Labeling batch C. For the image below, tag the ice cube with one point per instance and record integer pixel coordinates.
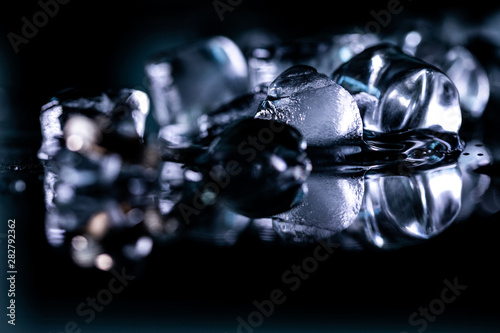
(213, 123)
(459, 64)
(411, 93)
(325, 54)
(84, 120)
(99, 202)
(470, 78)
(193, 79)
(99, 175)
(51, 130)
(255, 167)
(324, 112)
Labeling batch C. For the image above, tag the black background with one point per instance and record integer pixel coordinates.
(200, 288)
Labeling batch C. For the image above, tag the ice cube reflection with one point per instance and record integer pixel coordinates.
(331, 205)
(383, 210)
(99, 175)
(413, 207)
(400, 210)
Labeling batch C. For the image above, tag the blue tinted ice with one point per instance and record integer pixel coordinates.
(324, 112)
(191, 80)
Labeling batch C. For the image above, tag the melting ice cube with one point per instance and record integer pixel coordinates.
(324, 112)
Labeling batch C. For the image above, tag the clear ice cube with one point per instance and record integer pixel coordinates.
(193, 79)
(474, 184)
(400, 92)
(324, 112)
(459, 64)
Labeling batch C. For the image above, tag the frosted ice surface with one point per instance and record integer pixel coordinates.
(324, 112)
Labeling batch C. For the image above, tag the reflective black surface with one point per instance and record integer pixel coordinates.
(200, 286)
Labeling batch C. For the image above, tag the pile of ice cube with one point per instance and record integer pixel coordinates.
(275, 141)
